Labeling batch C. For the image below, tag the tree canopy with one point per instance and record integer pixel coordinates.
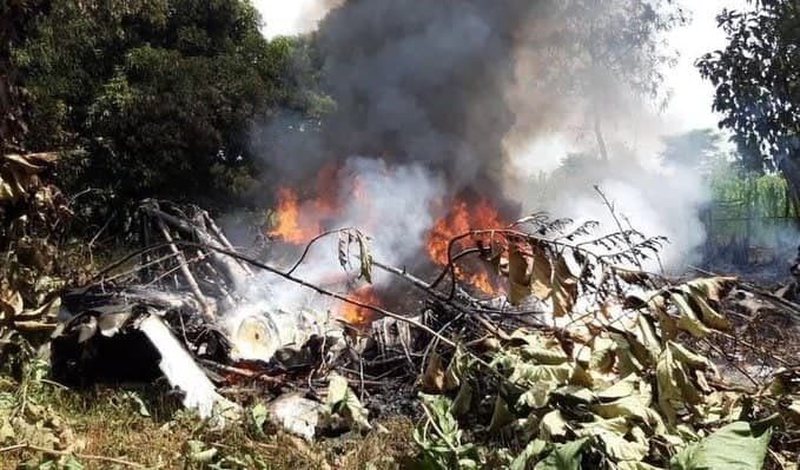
(158, 96)
(16, 19)
(757, 85)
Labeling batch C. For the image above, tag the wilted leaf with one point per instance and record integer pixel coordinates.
(637, 278)
(712, 288)
(617, 425)
(632, 406)
(456, 370)
(646, 335)
(542, 349)
(540, 381)
(688, 320)
(627, 362)
(620, 389)
(553, 425)
(348, 237)
(709, 316)
(47, 311)
(565, 288)
(675, 386)
(10, 302)
(31, 163)
(433, 381)
(736, 446)
(574, 394)
(667, 325)
(343, 249)
(17, 177)
(602, 357)
(366, 257)
(518, 278)
(527, 373)
(541, 273)
(621, 449)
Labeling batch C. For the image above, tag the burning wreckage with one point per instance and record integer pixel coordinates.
(531, 329)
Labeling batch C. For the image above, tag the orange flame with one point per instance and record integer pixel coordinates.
(288, 226)
(461, 219)
(355, 315)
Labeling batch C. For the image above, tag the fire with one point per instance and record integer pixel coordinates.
(287, 225)
(299, 218)
(461, 219)
(355, 315)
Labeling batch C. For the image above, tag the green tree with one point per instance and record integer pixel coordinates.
(757, 86)
(693, 148)
(16, 19)
(159, 95)
(604, 46)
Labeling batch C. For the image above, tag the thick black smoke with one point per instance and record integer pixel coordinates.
(413, 81)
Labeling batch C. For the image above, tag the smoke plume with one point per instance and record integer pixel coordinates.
(486, 97)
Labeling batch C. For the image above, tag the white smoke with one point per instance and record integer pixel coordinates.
(386, 64)
(657, 198)
(391, 204)
(292, 17)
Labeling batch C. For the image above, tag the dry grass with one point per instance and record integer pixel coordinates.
(107, 423)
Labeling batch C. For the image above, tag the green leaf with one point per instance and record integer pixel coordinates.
(342, 400)
(532, 451)
(457, 370)
(621, 449)
(138, 403)
(501, 416)
(462, 403)
(736, 446)
(259, 414)
(565, 456)
(198, 452)
(69, 462)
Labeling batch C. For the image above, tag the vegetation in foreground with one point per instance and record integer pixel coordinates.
(142, 427)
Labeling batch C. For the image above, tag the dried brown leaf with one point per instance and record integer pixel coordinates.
(541, 273)
(518, 277)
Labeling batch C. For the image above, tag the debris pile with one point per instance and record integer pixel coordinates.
(585, 360)
(32, 211)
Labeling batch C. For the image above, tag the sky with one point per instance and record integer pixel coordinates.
(287, 17)
(691, 97)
